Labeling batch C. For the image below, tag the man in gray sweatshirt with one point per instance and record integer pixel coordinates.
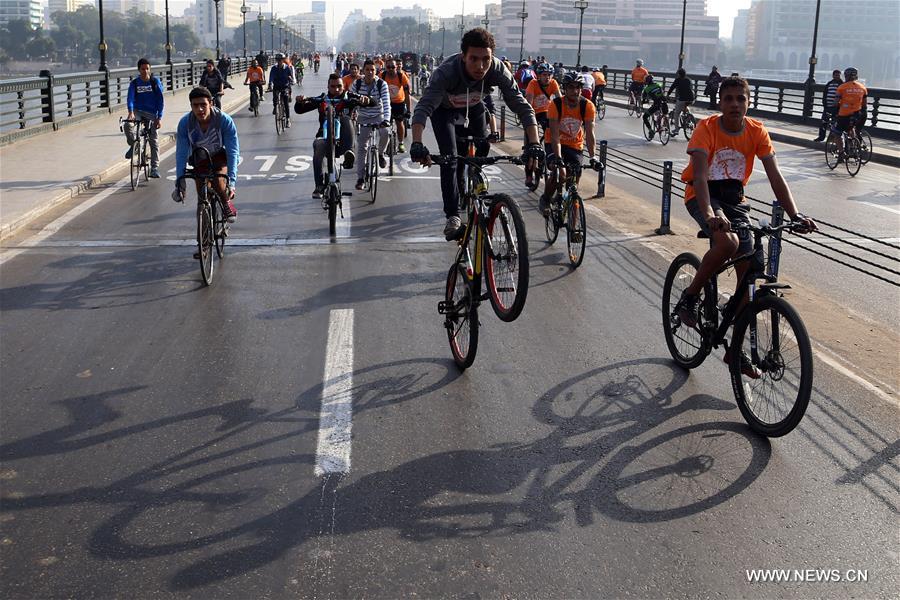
(453, 100)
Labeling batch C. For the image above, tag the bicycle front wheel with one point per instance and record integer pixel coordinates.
(279, 122)
(462, 317)
(205, 242)
(686, 344)
(145, 158)
(648, 130)
(601, 111)
(687, 125)
(631, 106)
(333, 199)
(372, 173)
(218, 227)
(391, 150)
(135, 163)
(774, 403)
(831, 153)
(551, 223)
(664, 131)
(506, 260)
(576, 231)
(852, 159)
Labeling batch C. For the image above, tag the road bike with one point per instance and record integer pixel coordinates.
(566, 211)
(332, 195)
(660, 126)
(686, 122)
(255, 96)
(212, 227)
(769, 338)
(370, 173)
(857, 149)
(282, 118)
(492, 245)
(600, 105)
(391, 147)
(140, 149)
(635, 104)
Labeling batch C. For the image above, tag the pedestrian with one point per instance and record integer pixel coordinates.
(712, 87)
(224, 65)
(829, 104)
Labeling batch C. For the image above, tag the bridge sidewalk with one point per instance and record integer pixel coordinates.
(40, 172)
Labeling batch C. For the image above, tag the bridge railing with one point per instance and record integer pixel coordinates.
(33, 105)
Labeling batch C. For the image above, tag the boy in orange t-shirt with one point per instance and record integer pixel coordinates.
(722, 150)
(398, 86)
(539, 93)
(352, 76)
(256, 79)
(852, 105)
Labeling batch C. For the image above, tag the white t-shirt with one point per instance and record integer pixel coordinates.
(587, 81)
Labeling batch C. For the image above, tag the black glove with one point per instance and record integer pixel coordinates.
(180, 189)
(493, 138)
(803, 224)
(384, 124)
(533, 152)
(595, 164)
(418, 151)
(552, 161)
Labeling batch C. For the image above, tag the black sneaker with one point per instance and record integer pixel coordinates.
(360, 184)
(128, 153)
(317, 193)
(544, 205)
(451, 227)
(819, 139)
(686, 309)
(349, 159)
(382, 161)
(747, 367)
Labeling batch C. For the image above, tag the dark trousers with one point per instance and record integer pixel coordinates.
(447, 124)
(713, 101)
(828, 116)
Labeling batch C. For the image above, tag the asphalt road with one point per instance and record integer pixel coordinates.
(164, 439)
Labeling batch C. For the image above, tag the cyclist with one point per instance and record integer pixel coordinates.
(145, 103)
(599, 84)
(343, 103)
(684, 97)
(829, 104)
(851, 97)
(401, 98)
(213, 81)
(352, 75)
(524, 75)
(653, 92)
(316, 60)
(379, 64)
(571, 126)
(638, 79)
(454, 103)
(256, 79)
(722, 150)
(587, 82)
(209, 128)
(377, 113)
(540, 91)
(280, 79)
(297, 63)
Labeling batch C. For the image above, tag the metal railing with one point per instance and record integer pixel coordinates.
(33, 105)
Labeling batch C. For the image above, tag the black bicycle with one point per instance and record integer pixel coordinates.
(493, 245)
(567, 212)
(212, 227)
(140, 149)
(370, 174)
(282, 118)
(769, 357)
(255, 97)
(332, 195)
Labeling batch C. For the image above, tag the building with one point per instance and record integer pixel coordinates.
(739, 30)
(64, 6)
(425, 16)
(352, 35)
(614, 32)
(780, 32)
(127, 6)
(205, 20)
(22, 10)
(311, 26)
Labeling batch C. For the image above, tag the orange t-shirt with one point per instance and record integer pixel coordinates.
(728, 155)
(256, 75)
(851, 97)
(348, 81)
(396, 88)
(639, 74)
(541, 102)
(571, 127)
(599, 78)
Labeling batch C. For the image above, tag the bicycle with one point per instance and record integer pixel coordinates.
(777, 345)
(600, 105)
(332, 195)
(255, 93)
(660, 126)
(567, 212)
(212, 227)
(539, 171)
(857, 149)
(686, 122)
(140, 149)
(492, 245)
(282, 118)
(635, 104)
(391, 148)
(370, 174)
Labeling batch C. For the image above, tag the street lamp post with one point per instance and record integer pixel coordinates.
(443, 34)
(811, 80)
(272, 25)
(217, 28)
(259, 19)
(582, 6)
(281, 37)
(168, 41)
(681, 49)
(522, 14)
(485, 21)
(102, 45)
(244, 11)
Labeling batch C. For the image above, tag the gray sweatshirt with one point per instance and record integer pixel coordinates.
(450, 87)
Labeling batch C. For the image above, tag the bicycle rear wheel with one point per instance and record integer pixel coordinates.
(831, 153)
(601, 111)
(687, 125)
(649, 130)
(135, 163)
(333, 199)
(686, 344)
(852, 158)
(372, 172)
(506, 272)
(391, 150)
(219, 225)
(551, 222)
(632, 107)
(865, 146)
(664, 130)
(462, 317)
(205, 242)
(576, 231)
(774, 403)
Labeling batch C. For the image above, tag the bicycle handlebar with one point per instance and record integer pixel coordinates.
(446, 159)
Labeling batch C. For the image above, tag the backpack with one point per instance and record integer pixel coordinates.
(582, 105)
(379, 85)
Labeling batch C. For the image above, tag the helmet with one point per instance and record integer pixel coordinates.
(524, 64)
(279, 56)
(640, 62)
(571, 78)
(543, 68)
(503, 58)
(648, 79)
(595, 69)
(851, 73)
(585, 68)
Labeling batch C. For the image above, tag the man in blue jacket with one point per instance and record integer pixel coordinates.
(281, 77)
(145, 103)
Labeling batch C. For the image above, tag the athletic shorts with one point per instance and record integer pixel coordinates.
(736, 213)
(398, 111)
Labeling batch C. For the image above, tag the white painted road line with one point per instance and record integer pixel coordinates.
(342, 225)
(887, 208)
(335, 419)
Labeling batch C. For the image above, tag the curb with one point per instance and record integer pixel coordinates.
(88, 183)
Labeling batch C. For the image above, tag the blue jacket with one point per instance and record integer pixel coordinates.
(279, 77)
(146, 96)
(187, 136)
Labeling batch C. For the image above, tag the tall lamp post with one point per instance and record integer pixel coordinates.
(102, 45)
(280, 36)
(259, 19)
(168, 41)
(522, 14)
(443, 34)
(811, 80)
(681, 49)
(485, 21)
(217, 28)
(272, 26)
(582, 6)
(244, 11)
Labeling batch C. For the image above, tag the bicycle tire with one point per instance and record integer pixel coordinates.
(535, 179)
(865, 146)
(219, 225)
(510, 261)
(373, 172)
(462, 323)
(278, 121)
(333, 200)
(145, 157)
(576, 231)
(649, 131)
(551, 223)
(686, 344)
(205, 242)
(687, 125)
(776, 371)
(392, 149)
(831, 153)
(664, 132)
(601, 111)
(852, 158)
(135, 163)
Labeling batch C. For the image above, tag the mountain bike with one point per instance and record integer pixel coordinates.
(567, 212)
(212, 228)
(140, 149)
(493, 245)
(391, 147)
(370, 174)
(660, 127)
(282, 118)
(768, 332)
(686, 123)
(857, 149)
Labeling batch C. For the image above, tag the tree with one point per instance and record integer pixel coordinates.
(17, 34)
(39, 46)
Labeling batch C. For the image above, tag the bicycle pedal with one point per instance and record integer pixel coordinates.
(445, 307)
(506, 289)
